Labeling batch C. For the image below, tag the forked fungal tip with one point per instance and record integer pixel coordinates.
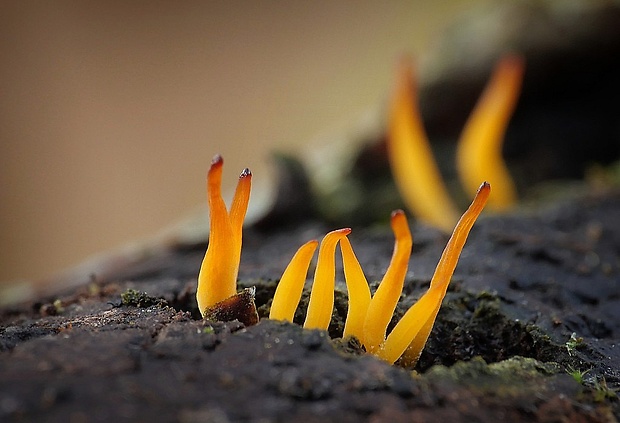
(245, 173)
(484, 186)
(217, 160)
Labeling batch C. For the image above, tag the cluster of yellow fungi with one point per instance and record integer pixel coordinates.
(478, 153)
(368, 315)
(419, 181)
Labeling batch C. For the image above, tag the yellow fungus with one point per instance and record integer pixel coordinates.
(217, 279)
(367, 317)
(411, 158)
(288, 292)
(321, 302)
(358, 291)
(412, 331)
(291, 285)
(479, 153)
(383, 303)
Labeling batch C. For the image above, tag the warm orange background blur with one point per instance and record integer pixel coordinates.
(110, 111)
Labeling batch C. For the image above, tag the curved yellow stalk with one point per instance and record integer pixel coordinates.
(321, 302)
(411, 158)
(414, 327)
(239, 205)
(217, 279)
(238, 209)
(383, 303)
(358, 292)
(288, 293)
(479, 153)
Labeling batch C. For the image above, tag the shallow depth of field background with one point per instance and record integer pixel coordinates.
(111, 111)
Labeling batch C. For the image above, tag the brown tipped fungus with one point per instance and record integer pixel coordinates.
(479, 153)
(358, 290)
(217, 279)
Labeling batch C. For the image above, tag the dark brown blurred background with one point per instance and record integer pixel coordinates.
(110, 111)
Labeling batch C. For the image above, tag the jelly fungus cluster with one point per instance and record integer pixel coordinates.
(368, 315)
(217, 280)
(478, 153)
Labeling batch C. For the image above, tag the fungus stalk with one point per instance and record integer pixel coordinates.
(411, 159)
(288, 293)
(358, 291)
(383, 303)
(479, 152)
(217, 280)
(291, 284)
(321, 302)
(413, 329)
